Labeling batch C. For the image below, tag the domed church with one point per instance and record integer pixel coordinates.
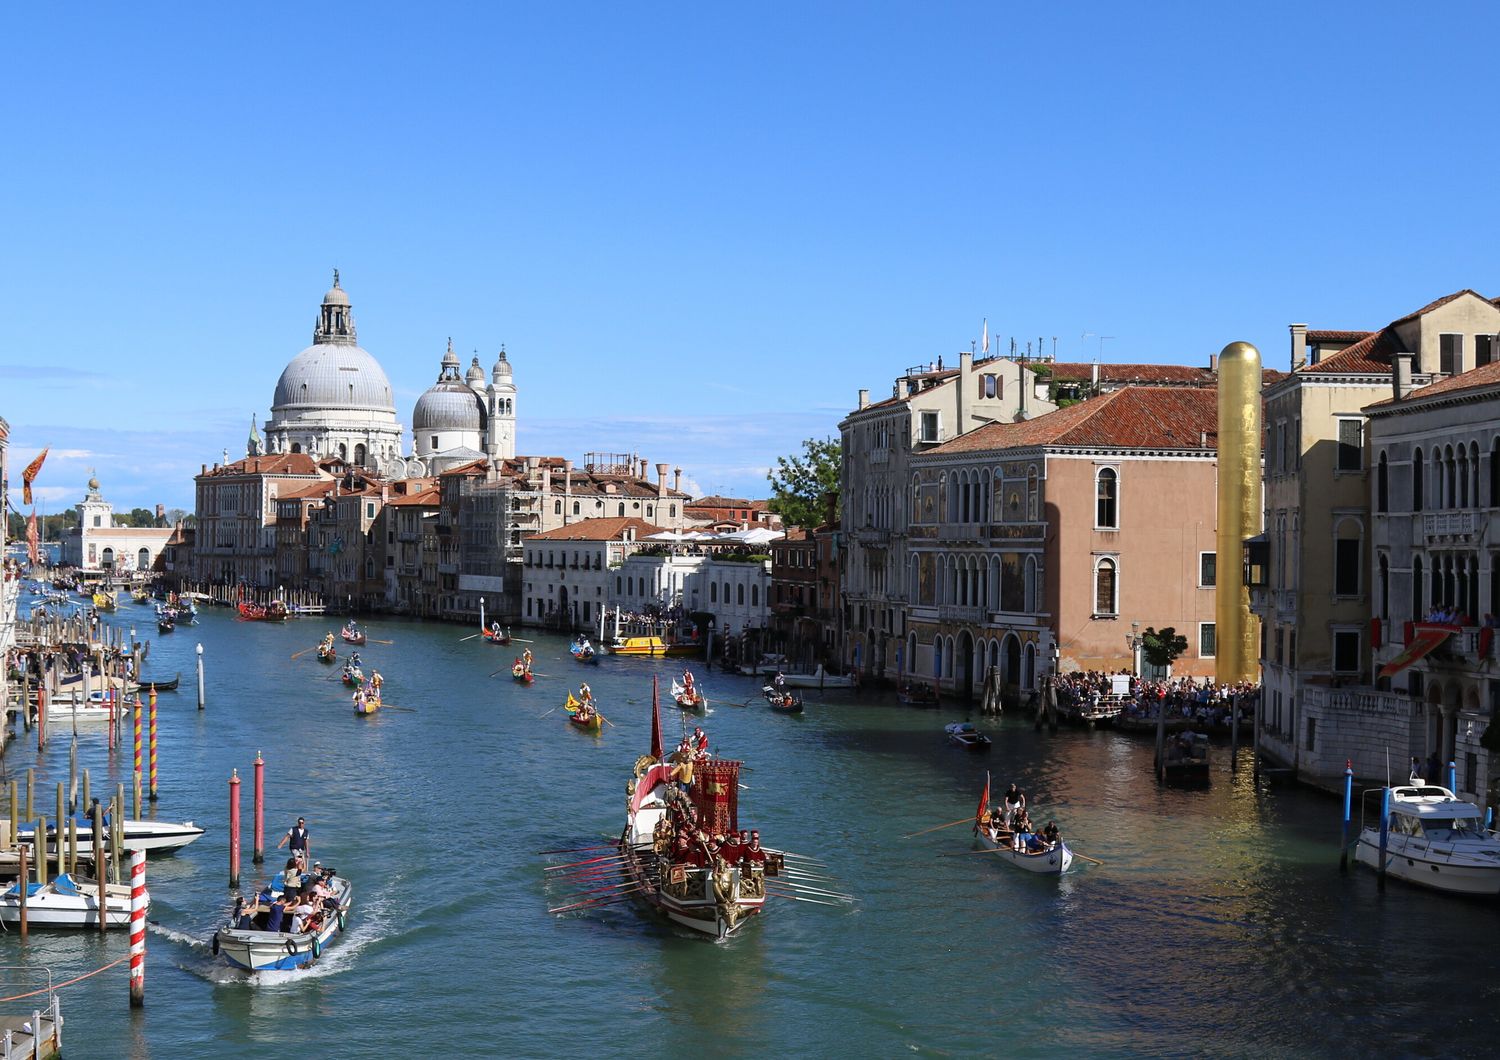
(459, 419)
(333, 399)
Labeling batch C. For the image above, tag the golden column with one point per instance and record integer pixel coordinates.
(1237, 631)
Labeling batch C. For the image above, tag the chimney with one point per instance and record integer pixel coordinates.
(1401, 376)
(661, 479)
(864, 398)
(677, 480)
(1299, 345)
(965, 383)
(903, 387)
(568, 477)
(1094, 373)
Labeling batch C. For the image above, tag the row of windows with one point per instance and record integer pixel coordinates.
(1445, 478)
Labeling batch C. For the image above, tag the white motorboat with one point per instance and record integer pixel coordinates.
(963, 734)
(819, 678)
(257, 950)
(1034, 855)
(66, 708)
(155, 837)
(67, 902)
(1434, 839)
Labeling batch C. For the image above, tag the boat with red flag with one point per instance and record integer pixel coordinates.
(496, 635)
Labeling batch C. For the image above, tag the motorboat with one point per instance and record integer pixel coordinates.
(154, 837)
(963, 734)
(257, 950)
(1433, 839)
(820, 678)
(66, 902)
(96, 706)
(1185, 760)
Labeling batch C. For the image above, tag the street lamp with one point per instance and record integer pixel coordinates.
(1134, 639)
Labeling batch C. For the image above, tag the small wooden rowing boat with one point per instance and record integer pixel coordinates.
(165, 624)
(353, 636)
(160, 686)
(963, 734)
(353, 676)
(327, 653)
(687, 700)
(366, 701)
(913, 695)
(493, 636)
(1031, 853)
(521, 672)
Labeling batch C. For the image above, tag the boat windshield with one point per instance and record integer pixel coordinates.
(1453, 828)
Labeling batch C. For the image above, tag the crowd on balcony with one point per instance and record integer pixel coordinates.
(1202, 702)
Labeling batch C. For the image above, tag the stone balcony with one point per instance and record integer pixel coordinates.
(872, 537)
(961, 613)
(1453, 527)
(1357, 701)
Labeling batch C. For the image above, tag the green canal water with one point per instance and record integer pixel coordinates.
(1219, 923)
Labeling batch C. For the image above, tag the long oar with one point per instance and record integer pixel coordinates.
(804, 889)
(471, 636)
(390, 706)
(579, 850)
(939, 827)
(605, 720)
(985, 850)
(304, 651)
(593, 903)
(794, 898)
(1085, 857)
(587, 861)
(372, 640)
(522, 640)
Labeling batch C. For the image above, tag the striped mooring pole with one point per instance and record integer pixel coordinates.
(137, 928)
(138, 756)
(152, 711)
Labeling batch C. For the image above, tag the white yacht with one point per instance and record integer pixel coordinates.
(1435, 839)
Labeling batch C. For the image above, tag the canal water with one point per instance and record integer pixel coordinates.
(1218, 924)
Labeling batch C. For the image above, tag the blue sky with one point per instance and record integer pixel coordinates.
(700, 229)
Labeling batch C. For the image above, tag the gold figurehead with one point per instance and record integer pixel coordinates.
(1237, 631)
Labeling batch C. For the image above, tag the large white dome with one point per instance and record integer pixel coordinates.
(328, 376)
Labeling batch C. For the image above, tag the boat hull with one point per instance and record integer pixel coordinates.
(154, 837)
(47, 908)
(1053, 862)
(1420, 867)
(277, 951)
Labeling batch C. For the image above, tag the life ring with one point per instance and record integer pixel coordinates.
(215, 944)
(291, 947)
(342, 920)
(317, 947)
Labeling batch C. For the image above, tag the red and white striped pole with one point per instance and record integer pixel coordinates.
(260, 809)
(153, 742)
(41, 716)
(234, 828)
(137, 929)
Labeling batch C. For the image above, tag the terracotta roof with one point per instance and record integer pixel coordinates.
(428, 498)
(723, 502)
(1474, 379)
(1430, 306)
(473, 467)
(312, 489)
(598, 530)
(278, 464)
(1327, 335)
(1129, 418)
(1371, 355)
(1179, 374)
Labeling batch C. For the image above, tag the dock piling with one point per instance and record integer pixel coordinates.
(1348, 812)
(259, 855)
(137, 772)
(200, 676)
(86, 800)
(117, 834)
(30, 787)
(98, 822)
(22, 888)
(39, 848)
(1453, 776)
(62, 832)
(137, 928)
(72, 845)
(234, 828)
(1385, 824)
(152, 711)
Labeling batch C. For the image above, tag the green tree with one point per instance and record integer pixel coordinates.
(1161, 647)
(800, 484)
(140, 517)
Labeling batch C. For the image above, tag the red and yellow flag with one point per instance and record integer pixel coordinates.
(984, 801)
(33, 547)
(29, 475)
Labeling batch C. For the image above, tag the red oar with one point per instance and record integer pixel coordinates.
(590, 861)
(590, 903)
(581, 850)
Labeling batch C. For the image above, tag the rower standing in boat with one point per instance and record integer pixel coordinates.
(1015, 802)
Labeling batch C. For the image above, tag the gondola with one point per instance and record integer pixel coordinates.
(521, 672)
(165, 624)
(353, 676)
(366, 701)
(160, 686)
(494, 637)
(915, 695)
(355, 637)
(782, 702)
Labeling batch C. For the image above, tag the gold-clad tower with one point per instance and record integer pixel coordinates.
(1237, 631)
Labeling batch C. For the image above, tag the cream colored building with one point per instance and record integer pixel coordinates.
(96, 543)
(929, 405)
(1316, 599)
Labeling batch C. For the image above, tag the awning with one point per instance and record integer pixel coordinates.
(1423, 643)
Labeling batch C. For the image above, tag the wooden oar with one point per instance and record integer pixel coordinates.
(1085, 857)
(372, 640)
(471, 636)
(522, 640)
(985, 850)
(553, 710)
(939, 827)
(304, 651)
(602, 718)
(409, 710)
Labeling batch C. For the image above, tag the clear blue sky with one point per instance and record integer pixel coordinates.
(700, 229)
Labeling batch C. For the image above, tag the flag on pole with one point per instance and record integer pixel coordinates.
(984, 344)
(28, 476)
(33, 547)
(984, 802)
(656, 746)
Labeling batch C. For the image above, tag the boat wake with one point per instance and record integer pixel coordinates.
(175, 936)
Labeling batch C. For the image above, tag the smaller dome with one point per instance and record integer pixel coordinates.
(447, 407)
(502, 367)
(335, 295)
(475, 373)
(450, 359)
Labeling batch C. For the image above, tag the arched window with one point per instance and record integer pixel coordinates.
(739, 596)
(1417, 479)
(343, 452)
(143, 559)
(622, 509)
(575, 507)
(619, 590)
(1106, 510)
(713, 592)
(629, 586)
(1105, 587)
(755, 596)
(1382, 485)
(937, 656)
(107, 558)
(1031, 593)
(296, 447)
(359, 454)
(557, 507)
(1385, 587)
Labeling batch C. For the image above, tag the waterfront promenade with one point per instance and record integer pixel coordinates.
(1218, 924)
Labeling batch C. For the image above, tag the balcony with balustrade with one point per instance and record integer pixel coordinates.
(1450, 528)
